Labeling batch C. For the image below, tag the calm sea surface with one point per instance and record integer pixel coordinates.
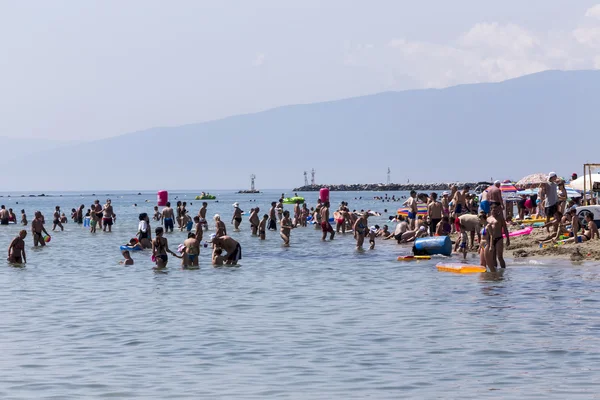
(313, 321)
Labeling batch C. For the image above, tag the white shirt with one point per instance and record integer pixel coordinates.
(143, 226)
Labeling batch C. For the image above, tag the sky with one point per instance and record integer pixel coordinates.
(86, 70)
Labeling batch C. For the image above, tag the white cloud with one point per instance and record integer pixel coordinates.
(486, 52)
(258, 60)
(593, 12)
(495, 36)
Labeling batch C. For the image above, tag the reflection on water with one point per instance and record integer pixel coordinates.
(316, 320)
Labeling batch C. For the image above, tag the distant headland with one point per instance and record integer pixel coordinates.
(392, 187)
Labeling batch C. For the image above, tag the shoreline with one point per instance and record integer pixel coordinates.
(380, 187)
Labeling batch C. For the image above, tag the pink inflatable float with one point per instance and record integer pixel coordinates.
(520, 232)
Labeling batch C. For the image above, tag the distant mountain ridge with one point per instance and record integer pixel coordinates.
(540, 122)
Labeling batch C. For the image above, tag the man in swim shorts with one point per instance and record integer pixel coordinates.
(37, 227)
(3, 215)
(325, 225)
(107, 219)
(236, 219)
(202, 215)
(16, 250)
(254, 221)
(413, 209)
(231, 246)
(272, 225)
(434, 212)
(168, 217)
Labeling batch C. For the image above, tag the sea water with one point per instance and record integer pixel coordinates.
(312, 321)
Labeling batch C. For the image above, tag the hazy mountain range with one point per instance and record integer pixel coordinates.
(536, 123)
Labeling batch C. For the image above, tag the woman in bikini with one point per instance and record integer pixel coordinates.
(495, 229)
(361, 226)
(220, 228)
(485, 239)
(192, 251)
(160, 248)
(590, 232)
(16, 250)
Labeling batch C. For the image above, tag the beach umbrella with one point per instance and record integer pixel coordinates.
(527, 192)
(577, 184)
(421, 210)
(572, 193)
(531, 180)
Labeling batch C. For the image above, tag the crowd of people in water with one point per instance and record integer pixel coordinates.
(458, 212)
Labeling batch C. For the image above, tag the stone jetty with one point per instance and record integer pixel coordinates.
(392, 187)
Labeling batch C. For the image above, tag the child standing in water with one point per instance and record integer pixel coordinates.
(286, 228)
(262, 227)
(217, 258)
(127, 258)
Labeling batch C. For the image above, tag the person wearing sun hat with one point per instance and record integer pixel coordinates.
(236, 220)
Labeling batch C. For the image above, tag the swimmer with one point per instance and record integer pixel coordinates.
(305, 212)
(444, 228)
(167, 217)
(231, 246)
(286, 228)
(11, 216)
(485, 239)
(16, 250)
(160, 248)
(108, 217)
(23, 218)
(236, 219)
(496, 247)
(325, 225)
(297, 214)
(220, 228)
(464, 238)
(144, 231)
(202, 215)
(373, 233)
(254, 221)
(413, 208)
(360, 228)
(217, 258)
(434, 212)
(191, 251)
(272, 225)
(3, 215)
(157, 215)
(127, 258)
(37, 227)
(63, 218)
(262, 227)
(198, 232)
(279, 208)
(56, 220)
(98, 210)
(93, 219)
(79, 216)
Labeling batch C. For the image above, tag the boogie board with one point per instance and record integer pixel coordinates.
(461, 268)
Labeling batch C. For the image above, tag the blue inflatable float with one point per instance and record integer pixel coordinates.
(433, 245)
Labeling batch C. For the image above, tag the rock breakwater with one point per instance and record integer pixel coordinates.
(380, 187)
